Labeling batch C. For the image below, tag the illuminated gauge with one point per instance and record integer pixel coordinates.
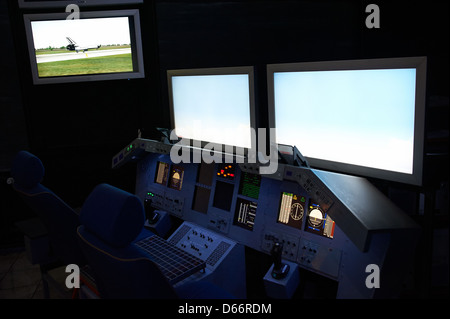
(296, 211)
(315, 218)
(176, 176)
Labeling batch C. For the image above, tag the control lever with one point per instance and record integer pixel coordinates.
(150, 213)
(280, 270)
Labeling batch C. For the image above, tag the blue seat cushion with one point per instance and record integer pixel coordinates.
(114, 215)
(27, 170)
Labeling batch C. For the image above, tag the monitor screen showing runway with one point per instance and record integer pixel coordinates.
(82, 47)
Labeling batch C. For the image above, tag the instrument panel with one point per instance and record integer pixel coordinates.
(249, 208)
(330, 224)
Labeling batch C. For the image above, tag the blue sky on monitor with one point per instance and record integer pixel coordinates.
(85, 32)
(361, 117)
(213, 108)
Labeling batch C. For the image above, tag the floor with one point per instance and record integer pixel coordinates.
(19, 279)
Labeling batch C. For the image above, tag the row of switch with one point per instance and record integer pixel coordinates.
(193, 247)
(201, 235)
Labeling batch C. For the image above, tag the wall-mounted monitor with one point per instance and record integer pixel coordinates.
(362, 117)
(213, 105)
(101, 45)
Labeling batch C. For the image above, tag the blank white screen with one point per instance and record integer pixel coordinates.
(213, 108)
(359, 117)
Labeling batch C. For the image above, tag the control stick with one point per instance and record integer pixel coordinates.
(150, 213)
(280, 270)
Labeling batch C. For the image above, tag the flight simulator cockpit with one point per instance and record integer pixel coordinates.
(217, 187)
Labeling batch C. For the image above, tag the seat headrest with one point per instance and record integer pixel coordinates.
(114, 215)
(27, 170)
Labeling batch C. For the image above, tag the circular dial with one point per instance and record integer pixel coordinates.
(315, 217)
(296, 211)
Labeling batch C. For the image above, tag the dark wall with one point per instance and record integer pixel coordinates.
(13, 133)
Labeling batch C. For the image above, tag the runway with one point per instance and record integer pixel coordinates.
(72, 55)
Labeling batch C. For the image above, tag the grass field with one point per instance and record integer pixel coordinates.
(105, 64)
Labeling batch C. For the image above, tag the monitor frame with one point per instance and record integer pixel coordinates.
(135, 37)
(234, 70)
(419, 63)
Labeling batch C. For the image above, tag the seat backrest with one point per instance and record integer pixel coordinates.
(111, 219)
(59, 218)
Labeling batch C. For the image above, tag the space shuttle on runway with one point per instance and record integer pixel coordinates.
(73, 46)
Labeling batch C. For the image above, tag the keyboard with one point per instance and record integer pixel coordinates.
(175, 263)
